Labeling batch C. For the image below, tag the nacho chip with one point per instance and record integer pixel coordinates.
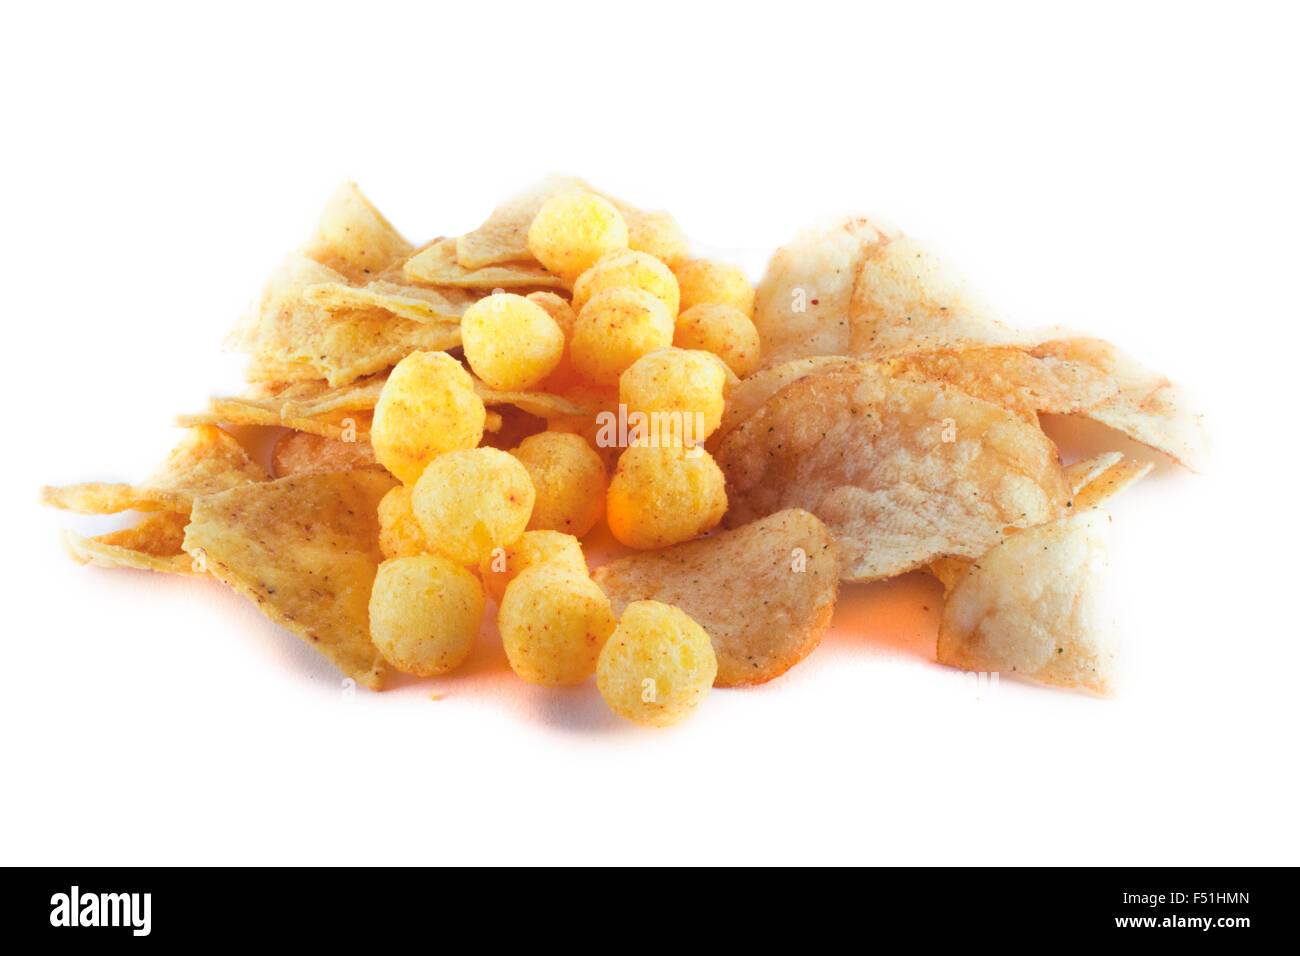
(801, 306)
(353, 239)
(306, 550)
(1032, 607)
(152, 545)
(404, 301)
(901, 472)
(437, 264)
(504, 236)
(206, 460)
(301, 453)
(765, 592)
(292, 339)
(907, 298)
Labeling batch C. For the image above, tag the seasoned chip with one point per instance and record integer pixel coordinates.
(901, 472)
(301, 453)
(1144, 405)
(205, 461)
(404, 301)
(341, 425)
(314, 399)
(752, 393)
(437, 264)
(1109, 482)
(764, 592)
(905, 297)
(504, 236)
(801, 306)
(1032, 607)
(291, 338)
(352, 238)
(152, 545)
(540, 404)
(305, 549)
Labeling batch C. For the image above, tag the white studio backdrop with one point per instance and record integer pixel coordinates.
(1128, 170)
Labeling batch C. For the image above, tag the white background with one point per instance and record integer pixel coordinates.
(1127, 169)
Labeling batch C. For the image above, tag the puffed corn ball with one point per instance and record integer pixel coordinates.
(425, 613)
(557, 307)
(723, 330)
(427, 407)
(553, 621)
(658, 234)
(626, 267)
(657, 666)
(469, 502)
(683, 389)
(399, 531)
(510, 343)
(572, 230)
(614, 329)
(502, 565)
(662, 495)
(708, 280)
(569, 479)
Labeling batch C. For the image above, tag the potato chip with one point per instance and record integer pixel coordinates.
(341, 425)
(752, 393)
(1032, 607)
(206, 460)
(504, 236)
(1144, 405)
(301, 453)
(1109, 482)
(540, 404)
(905, 297)
(801, 306)
(305, 549)
(352, 238)
(316, 399)
(293, 339)
(765, 591)
(152, 545)
(901, 472)
(437, 264)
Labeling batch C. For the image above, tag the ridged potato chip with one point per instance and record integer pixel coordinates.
(765, 592)
(901, 472)
(1032, 607)
(305, 550)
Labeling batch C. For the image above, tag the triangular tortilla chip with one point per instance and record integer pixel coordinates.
(1033, 607)
(764, 592)
(152, 545)
(206, 460)
(352, 238)
(293, 339)
(305, 549)
(437, 264)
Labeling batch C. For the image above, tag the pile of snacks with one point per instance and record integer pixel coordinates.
(455, 419)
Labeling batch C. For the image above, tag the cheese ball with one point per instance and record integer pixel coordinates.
(664, 495)
(511, 343)
(399, 531)
(723, 330)
(657, 666)
(626, 267)
(469, 502)
(503, 565)
(682, 391)
(553, 621)
(427, 407)
(708, 280)
(614, 329)
(569, 479)
(572, 230)
(658, 234)
(425, 613)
